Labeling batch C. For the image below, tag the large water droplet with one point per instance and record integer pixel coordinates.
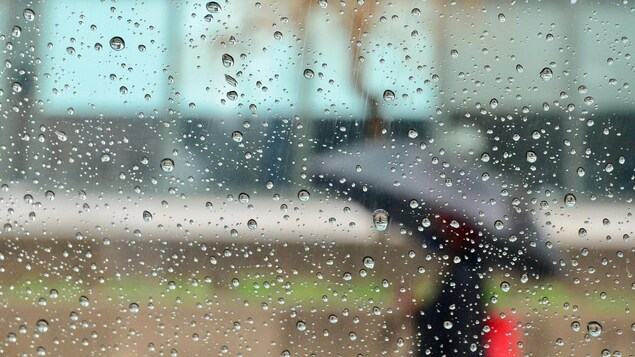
(546, 74)
(505, 286)
(381, 219)
(594, 328)
(147, 216)
(167, 165)
(237, 136)
(42, 325)
(28, 14)
(228, 60)
(304, 195)
(531, 157)
(243, 198)
(117, 43)
(369, 262)
(213, 7)
(389, 95)
(133, 308)
(16, 87)
(301, 326)
(569, 200)
(308, 73)
(49, 195)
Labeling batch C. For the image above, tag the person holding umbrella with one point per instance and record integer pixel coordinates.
(477, 222)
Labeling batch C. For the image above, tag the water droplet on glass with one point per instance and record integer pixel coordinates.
(117, 43)
(304, 195)
(167, 165)
(412, 134)
(546, 74)
(531, 157)
(414, 203)
(501, 17)
(323, 3)
(42, 325)
(389, 95)
(582, 232)
(369, 262)
(147, 216)
(28, 14)
(237, 136)
(580, 171)
(505, 286)
(415, 12)
(454, 53)
(493, 103)
(594, 328)
(499, 225)
(447, 325)
(228, 60)
(17, 31)
(83, 301)
(308, 73)
(252, 224)
(277, 35)
(213, 7)
(16, 87)
(519, 68)
(575, 326)
(49, 195)
(123, 90)
(243, 198)
(569, 200)
(231, 80)
(232, 95)
(381, 219)
(133, 308)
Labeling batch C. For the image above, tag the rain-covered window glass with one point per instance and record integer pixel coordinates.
(316, 178)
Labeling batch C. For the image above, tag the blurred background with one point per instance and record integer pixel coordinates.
(154, 157)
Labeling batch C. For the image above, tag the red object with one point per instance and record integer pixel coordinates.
(502, 338)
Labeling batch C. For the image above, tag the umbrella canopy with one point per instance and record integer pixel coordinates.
(421, 187)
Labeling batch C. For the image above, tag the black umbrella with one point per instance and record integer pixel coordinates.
(456, 204)
(435, 193)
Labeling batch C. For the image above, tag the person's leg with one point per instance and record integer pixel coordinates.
(452, 325)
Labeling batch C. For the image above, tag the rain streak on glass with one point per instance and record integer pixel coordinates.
(167, 165)
(117, 43)
(381, 219)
